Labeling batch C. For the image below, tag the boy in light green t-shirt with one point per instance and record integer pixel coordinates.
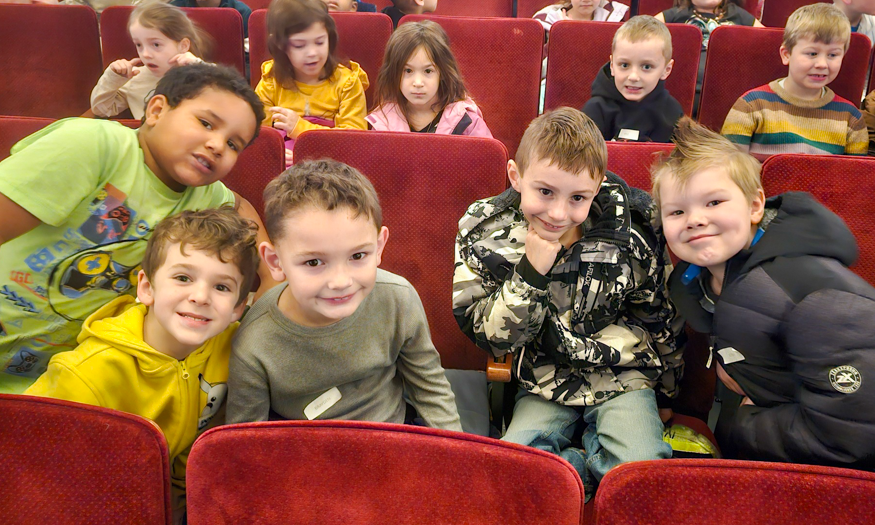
(80, 197)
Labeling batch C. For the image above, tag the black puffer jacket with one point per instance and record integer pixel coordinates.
(803, 326)
(654, 117)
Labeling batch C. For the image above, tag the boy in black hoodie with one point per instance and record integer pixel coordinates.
(629, 100)
(791, 326)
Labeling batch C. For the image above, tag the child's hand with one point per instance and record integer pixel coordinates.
(540, 252)
(747, 401)
(284, 119)
(184, 59)
(665, 414)
(288, 157)
(125, 68)
(728, 381)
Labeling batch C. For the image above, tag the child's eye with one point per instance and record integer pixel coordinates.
(676, 213)
(624, 65)
(408, 70)
(359, 256)
(233, 146)
(578, 198)
(183, 278)
(312, 263)
(646, 67)
(429, 71)
(157, 44)
(223, 288)
(545, 192)
(206, 124)
(715, 202)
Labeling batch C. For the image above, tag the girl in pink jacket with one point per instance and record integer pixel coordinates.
(419, 87)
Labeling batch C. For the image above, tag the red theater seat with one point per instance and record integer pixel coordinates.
(570, 74)
(776, 12)
(257, 165)
(13, 129)
(632, 160)
(483, 8)
(225, 26)
(500, 61)
(425, 183)
(65, 462)
(753, 55)
(49, 59)
(293, 472)
(361, 37)
(843, 184)
(696, 491)
(653, 7)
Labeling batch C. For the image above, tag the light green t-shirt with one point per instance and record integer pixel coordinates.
(87, 181)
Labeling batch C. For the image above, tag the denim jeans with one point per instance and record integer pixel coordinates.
(625, 428)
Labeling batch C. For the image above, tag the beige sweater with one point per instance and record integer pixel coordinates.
(115, 93)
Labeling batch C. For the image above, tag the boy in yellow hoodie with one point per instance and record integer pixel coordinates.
(167, 358)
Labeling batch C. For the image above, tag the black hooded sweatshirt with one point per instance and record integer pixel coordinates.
(653, 118)
(795, 328)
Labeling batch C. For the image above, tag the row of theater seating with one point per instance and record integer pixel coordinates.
(426, 191)
(69, 463)
(53, 56)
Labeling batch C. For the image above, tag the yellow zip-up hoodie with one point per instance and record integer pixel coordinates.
(114, 368)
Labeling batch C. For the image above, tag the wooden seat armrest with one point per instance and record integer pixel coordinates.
(499, 368)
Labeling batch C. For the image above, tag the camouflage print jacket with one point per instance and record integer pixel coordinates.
(602, 323)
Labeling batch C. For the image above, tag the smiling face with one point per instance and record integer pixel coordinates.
(308, 52)
(813, 65)
(341, 5)
(638, 67)
(706, 6)
(420, 80)
(582, 9)
(197, 142)
(708, 221)
(155, 49)
(191, 298)
(329, 259)
(554, 202)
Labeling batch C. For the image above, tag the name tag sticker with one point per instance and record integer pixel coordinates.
(322, 403)
(628, 134)
(730, 355)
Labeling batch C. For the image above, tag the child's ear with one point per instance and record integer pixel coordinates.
(382, 238)
(155, 108)
(184, 45)
(271, 258)
(667, 71)
(757, 207)
(355, 6)
(145, 293)
(238, 311)
(785, 55)
(513, 174)
(611, 63)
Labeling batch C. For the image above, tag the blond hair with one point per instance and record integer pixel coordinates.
(567, 138)
(324, 184)
(173, 23)
(825, 23)
(644, 27)
(698, 148)
(221, 232)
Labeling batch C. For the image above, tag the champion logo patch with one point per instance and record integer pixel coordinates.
(846, 379)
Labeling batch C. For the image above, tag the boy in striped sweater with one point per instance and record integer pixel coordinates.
(799, 114)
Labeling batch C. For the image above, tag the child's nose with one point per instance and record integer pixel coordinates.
(557, 213)
(200, 294)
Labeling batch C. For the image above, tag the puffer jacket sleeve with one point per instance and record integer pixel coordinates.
(830, 347)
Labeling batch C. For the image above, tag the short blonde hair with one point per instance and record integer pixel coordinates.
(324, 184)
(644, 27)
(567, 138)
(825, 23)
(698, 148)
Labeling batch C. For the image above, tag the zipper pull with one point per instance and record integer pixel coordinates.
(185, 374)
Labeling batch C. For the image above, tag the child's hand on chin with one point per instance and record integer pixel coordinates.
(540, 252)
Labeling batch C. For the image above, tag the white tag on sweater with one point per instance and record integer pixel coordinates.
(628, 134)
(322, 403)
(730, 355)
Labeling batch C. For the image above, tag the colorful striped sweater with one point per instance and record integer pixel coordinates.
(768, 120)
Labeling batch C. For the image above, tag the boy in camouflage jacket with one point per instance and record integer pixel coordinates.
(565, 271)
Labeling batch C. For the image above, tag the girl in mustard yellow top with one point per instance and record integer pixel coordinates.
(305, 87)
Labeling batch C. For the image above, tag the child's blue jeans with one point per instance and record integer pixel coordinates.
(624, 428)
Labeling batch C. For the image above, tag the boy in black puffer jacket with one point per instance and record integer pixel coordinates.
(791, 326)
(629, 100)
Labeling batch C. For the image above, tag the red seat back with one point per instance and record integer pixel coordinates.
(653, 7)
(425, 183)
(500, 61)
(694, 491)
(257, 165)
(753, 53)
(13, 129)
(842, 184)
(362, 472)
(632, 161)
(776, 12)
(361, 37)
(257, 4)
(570, 73)
(49, 59)
(224, 25)
(484, 8)
(77, 463)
